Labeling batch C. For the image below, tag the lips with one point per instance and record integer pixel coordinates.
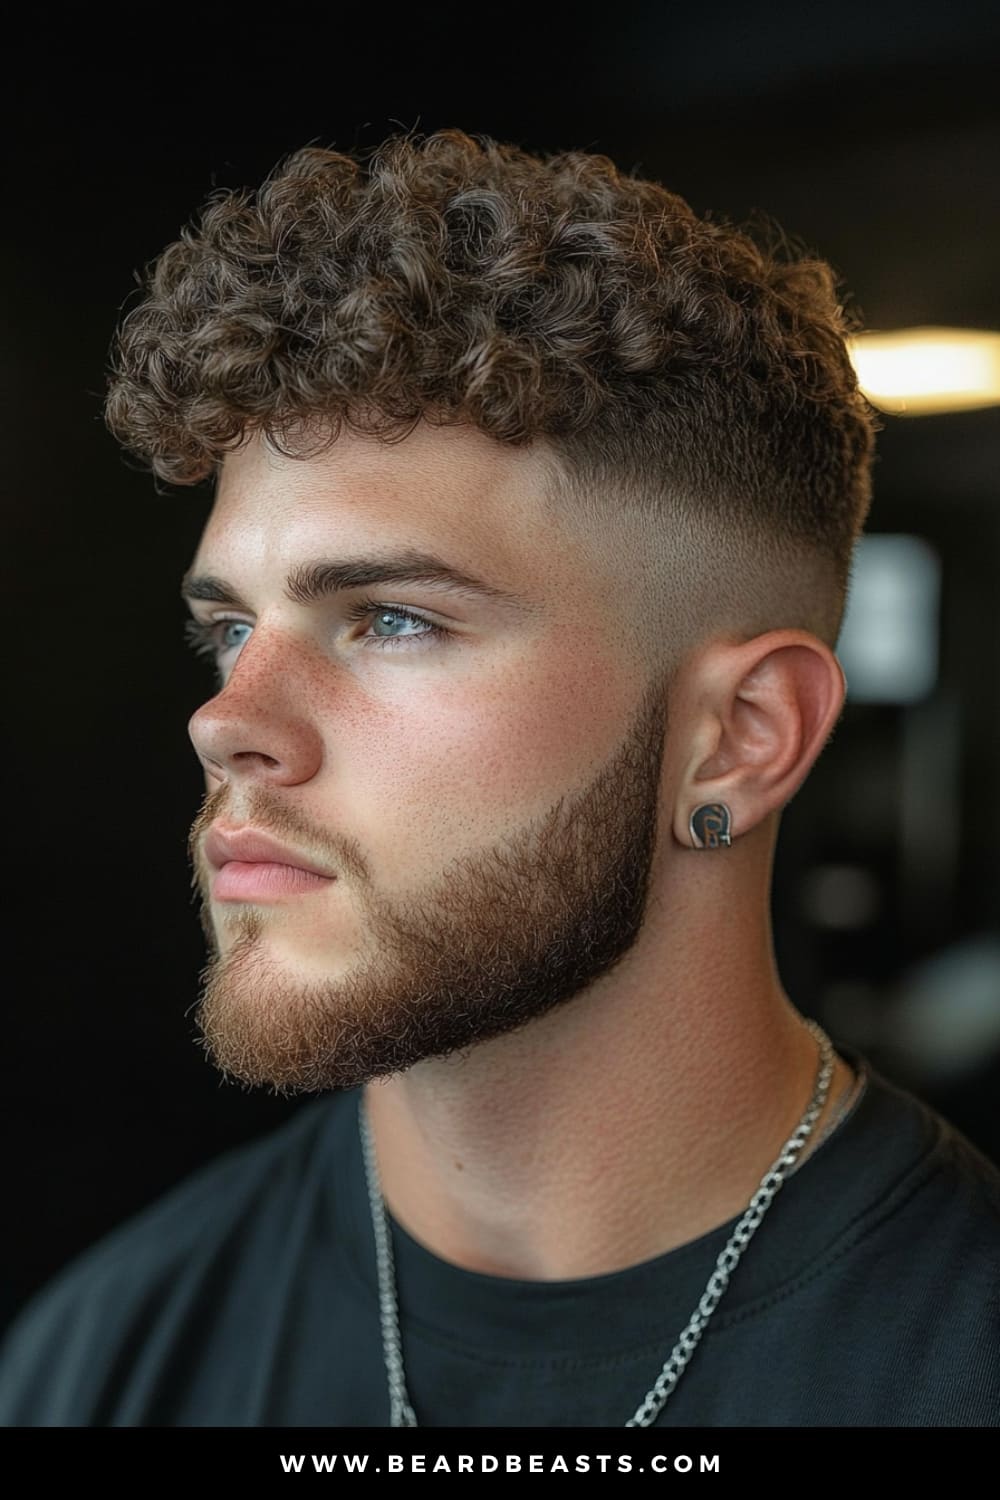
(248, 846)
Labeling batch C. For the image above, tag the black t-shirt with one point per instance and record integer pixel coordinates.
(248, 1296)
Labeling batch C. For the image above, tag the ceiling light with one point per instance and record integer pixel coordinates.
(916, 371)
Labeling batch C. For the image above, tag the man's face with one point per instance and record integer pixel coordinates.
(487, 798)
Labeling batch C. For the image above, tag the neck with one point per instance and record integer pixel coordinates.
(630, 1120)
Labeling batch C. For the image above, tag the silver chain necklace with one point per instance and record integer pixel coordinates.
(401, 1411)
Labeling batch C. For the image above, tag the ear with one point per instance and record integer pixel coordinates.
(760, 713)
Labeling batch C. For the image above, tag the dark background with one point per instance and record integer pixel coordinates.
(870, 132)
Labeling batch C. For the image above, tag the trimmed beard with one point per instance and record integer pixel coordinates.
(503, 935)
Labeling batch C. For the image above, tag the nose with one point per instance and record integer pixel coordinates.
(253, 731)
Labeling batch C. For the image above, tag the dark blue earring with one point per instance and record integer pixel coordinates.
(710, 826)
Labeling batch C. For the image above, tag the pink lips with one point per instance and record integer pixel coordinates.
(252, 866)
(238, 881)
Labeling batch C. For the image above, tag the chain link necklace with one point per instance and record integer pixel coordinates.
(401, 1411)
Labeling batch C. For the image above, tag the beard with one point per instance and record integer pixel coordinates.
(501, 936)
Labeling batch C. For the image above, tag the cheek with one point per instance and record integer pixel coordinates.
(458, 759)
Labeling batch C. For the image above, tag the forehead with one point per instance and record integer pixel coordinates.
(482, 504)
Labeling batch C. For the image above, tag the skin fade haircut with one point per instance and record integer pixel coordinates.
(698, 409)
(551, 354)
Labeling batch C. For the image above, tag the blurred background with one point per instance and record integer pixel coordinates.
(870, 132)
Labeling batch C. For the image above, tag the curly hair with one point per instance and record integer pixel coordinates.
(664, 357)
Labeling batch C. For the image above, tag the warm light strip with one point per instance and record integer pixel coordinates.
(915, 371)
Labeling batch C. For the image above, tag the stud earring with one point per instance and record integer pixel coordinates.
(710, 826)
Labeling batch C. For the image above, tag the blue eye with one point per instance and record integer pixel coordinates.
(203, 638)
(383, 612)
(206, 637)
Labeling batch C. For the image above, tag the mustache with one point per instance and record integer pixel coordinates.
(257, 807)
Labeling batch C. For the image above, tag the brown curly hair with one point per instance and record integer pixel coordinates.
(675, 368)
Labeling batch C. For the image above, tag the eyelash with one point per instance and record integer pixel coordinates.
(202, 636)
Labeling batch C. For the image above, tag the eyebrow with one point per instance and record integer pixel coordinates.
(311, 581)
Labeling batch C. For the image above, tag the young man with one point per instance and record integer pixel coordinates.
(536, 499)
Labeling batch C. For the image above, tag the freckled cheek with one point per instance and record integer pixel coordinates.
(452, 768)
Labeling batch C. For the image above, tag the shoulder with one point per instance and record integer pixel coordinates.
(939, 1155)
(911, 1280)
(210, 1199)
(901, 1169)
(151, 1271)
